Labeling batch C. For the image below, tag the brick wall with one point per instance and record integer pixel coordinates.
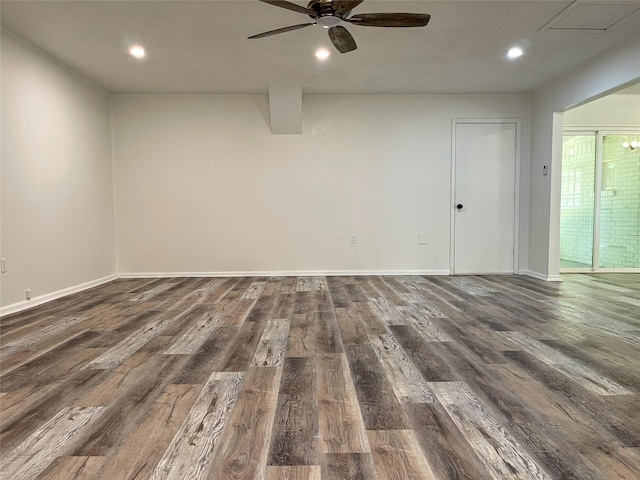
(620, 211)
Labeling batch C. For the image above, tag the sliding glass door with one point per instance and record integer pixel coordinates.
(600, 202)
(620, 203)
(577, 213)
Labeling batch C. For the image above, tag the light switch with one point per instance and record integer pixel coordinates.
(422, 239)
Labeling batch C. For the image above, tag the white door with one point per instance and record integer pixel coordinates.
(484, 198)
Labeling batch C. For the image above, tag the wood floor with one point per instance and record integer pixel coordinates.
(326, 378)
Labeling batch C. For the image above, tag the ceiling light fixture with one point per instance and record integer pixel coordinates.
(322, 54)
(137, 51)
(630, 144)
(514, 53)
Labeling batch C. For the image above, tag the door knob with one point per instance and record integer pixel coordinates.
(459, 206)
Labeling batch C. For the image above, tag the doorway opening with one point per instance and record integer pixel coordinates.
(600, 201)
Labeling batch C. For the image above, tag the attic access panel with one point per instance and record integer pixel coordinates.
(592, 16)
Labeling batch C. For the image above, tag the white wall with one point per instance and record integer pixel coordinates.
(57, 226)
(597, 77)
(614, 110)
(203, 186)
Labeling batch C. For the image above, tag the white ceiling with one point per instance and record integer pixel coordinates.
(201, 46)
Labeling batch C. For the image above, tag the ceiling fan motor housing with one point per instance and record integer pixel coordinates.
(324, 9)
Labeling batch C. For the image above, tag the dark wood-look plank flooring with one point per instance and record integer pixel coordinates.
(309, 378)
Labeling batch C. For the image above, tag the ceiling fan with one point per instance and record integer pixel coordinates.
(331, 14)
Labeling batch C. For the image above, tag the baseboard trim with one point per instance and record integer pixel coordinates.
(48, 297)
(288, 273)
(541, 276)
(27, 304)
(554, 278)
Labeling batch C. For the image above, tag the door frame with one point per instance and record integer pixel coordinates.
(516, 181)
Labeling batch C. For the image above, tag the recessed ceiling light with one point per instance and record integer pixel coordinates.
(137, 51)
(322, 54)
(515, 52)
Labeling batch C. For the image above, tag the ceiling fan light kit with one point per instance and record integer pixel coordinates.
(330, 14)
(329, 21)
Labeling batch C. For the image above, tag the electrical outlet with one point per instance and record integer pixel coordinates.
(28, 294)
(3, 265)
(354, 239)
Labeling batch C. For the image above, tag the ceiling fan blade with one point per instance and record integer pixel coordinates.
(291, 6)
(281, 30)
(344, 6)
(342, 39)
(390, 19)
